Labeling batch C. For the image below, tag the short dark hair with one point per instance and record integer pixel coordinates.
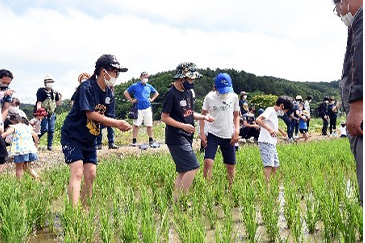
(15, 118)
(6, 73)
(336, 1)
(286, 101)
(309, 97)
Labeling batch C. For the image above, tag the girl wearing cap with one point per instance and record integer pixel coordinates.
(93, 99)
(36, 121)
(179, 115)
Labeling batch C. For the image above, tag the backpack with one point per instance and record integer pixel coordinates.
(49, 104)
(133, 112)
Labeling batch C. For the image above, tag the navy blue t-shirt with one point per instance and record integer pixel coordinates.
(77, 129)
(180, 107)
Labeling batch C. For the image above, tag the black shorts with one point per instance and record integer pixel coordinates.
(228, 150)
(73, 154)
(3, 151)
(184, 157)
(303, 131)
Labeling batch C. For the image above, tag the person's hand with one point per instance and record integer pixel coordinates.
(123, 125)
(272, 133)
(257, 127)
(209, 118)
(355, 118)
(188, 128)
(9, 92)
(234, 138)
(203, 138)
(134, 101)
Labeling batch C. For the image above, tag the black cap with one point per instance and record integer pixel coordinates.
(108, 60)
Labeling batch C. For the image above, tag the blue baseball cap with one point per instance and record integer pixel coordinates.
(223, 83)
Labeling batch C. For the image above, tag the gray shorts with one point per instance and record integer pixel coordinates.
(269, 155)
(184, 157)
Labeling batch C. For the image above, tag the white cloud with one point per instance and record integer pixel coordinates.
(302, 42)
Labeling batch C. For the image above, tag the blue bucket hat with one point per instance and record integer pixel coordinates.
(223, 83)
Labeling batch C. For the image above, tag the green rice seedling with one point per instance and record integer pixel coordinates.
(163, 233)
(148, 223)
(129, 230)
(270, 214)
(347, 223)
(78, 225)
(291, 204)
(211, 212)
(227, 234)
(14, 226)
(248, 216)
(296, 228)
(107, 229)
(312, 212)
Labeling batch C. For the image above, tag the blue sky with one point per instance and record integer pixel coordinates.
(291, 39)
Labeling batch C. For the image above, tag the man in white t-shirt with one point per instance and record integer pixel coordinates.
(223, 105)
(269, 123)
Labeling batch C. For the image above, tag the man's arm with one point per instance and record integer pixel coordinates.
(154, 96)
(128, 96)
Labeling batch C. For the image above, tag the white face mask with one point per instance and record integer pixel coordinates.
(49, 85)
(111, 81)
(144, 80)
(348, 18)
(279, 112)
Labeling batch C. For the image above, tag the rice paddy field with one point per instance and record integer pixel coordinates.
(314, 198)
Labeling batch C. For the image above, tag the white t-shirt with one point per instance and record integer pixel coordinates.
(343, 130)
(271, 119)
(221, 107)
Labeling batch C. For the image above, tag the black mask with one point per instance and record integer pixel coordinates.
(188, 85)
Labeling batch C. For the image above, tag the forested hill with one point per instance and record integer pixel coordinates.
(248, 82)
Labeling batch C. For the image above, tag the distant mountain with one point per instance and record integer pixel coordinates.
(241, 81)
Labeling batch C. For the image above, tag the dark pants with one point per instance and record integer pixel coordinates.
(110, 135)
(295, 125)
(356, 145)
(48, 126)
(288, 123)
(333, 124)
(247, 132)
(325, 125)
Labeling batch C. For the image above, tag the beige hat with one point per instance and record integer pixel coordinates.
(48, 79)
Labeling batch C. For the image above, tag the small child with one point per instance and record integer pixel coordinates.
(303, 126)
(36, 121)
(22, 146)
(269, 123)
(343, 130)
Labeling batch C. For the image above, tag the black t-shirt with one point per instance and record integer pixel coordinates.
(77, 129)
(42, 95)
(180, 107)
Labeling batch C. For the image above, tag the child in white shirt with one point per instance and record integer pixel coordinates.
(268, 121)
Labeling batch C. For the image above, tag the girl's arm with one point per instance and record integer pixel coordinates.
(108, 122)
(35, 137)
(9, 131)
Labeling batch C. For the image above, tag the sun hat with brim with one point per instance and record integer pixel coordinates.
(48, 79)
(187, 70)
(223, 83)
(40, 112)
(108, 60)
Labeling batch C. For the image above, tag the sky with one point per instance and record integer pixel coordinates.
(290, 39)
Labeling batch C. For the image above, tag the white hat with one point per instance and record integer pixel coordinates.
(48, 79)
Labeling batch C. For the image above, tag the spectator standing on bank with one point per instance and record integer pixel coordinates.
(48, 99)
(343, 130)
(5, 97)
(332, 114)
(323, 113)
(307, 107)
(141, 92)
(39, 115)
(351, 84)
